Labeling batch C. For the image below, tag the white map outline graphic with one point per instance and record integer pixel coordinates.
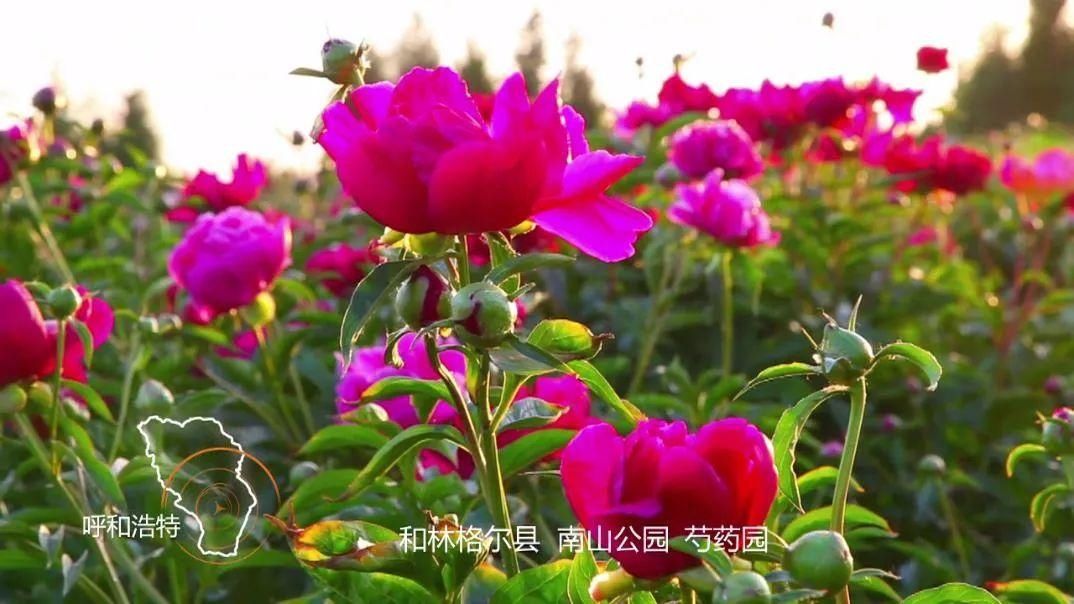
(178, 498)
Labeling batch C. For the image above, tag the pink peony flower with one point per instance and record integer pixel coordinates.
(931, 59)
(418, 157)
(662, 476)
(341, 267)
(22, 329)
(225, 260)
(727, 210)
(566, 391)
(1051, 173)
(13, 150)
(701, 147)
(248, 177)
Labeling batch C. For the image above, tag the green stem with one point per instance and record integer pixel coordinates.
(956, 533)
(668, 289)
(43, 228)
(463, 260)
(727, 325)
(846, 467)
(1068, 469)
(133, 364)
(274, 379)
(57, 382)
(496, 496)
(304, 402)
(257, 407)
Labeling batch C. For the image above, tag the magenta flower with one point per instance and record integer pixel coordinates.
(567, 392)
(419, 157)
(931, 59)
(701, 147)
(1051, 173)
(225, 260)
(13, 150)
(727, 210)
(22, 329)
(367, 367)
(662, 476)
(248, 177)
(341, 267)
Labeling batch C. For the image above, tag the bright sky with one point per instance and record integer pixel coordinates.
(215, 72)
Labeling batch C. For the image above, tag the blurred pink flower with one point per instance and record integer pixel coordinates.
(340, 267)
(22, 329)
(14, 147)
(225, 260)
(931, 59)
(701, 147)
(248, 177)
(418, 157)
(1051, 173)
(727, 210)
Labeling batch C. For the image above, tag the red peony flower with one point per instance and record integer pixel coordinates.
(931, 59)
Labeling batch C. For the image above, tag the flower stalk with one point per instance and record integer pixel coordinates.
(846, 466)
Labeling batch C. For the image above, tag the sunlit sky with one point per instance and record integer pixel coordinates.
(215, 72)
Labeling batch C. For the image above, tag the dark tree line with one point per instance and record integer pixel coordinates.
(1003, 88)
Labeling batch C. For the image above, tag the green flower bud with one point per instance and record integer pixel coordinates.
(341, 61)
(483, 315)
(743, 587)
(820, 560)
(429, 244)
(12, 399)
(64, 301)
(845, 356)
(40, 397)
(152, 394)
(1057, 435)
(424, 298)
(261, 311)
(932, 465)
(303, 470)
(609, 585)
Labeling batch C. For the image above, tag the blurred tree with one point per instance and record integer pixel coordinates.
(530, 55)
(578, 88)
(416, 48)
(378, 68)
(1040, 79)
(137, 139)
(474, 70)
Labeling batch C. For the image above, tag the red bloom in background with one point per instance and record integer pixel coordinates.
(13, 149)
(679, 97)
(418, 157)
(826, 102)
(933, 165)
(662, 476)
(701, 147)
(24, 337)
(340, 267)
(962, 170)
(248, 178)
(727, 210)
(931, 59)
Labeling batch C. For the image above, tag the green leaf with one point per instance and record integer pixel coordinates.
(520, 264)
(599, 386)
(797, 595)
(373, 290)
(530, 412)
(93, 400)
(545, 583)
(1041, 505)
(343, 436)
(523, 358)
(950, 593)
(818, 519)
(372, 588)
(583, 569)
(566, 340)
(531, 448)
(306, 71)
(1028, 591)
(785, 439)
(85, 338)
(391, 387)
(777, 372)
(921, 358)
(714, 557)
(774, 551)
(14, 559)
(875, 585)
(642, 597)
(500, 251)
(1022, 451)
(391, 452)
(98, 470)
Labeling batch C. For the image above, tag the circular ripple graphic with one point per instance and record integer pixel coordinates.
(214, 492)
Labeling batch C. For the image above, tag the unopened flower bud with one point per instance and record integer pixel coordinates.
(1057, 435)
(47, 100)
(424, 298)
(341, 61)
(743, 587)
(64, 301)
(845, 356)
(261, 311)
(430, 244)
(932, 465)
(12, 399)
(1053, 386)
(483, 314)
(820, 560)
(297, 138)
(40, 396)
(97, 127)
(609, 585)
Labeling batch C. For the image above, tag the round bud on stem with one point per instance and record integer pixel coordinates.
(932, 465)
(1057, 435)
(845, 356)
(47, 100)
(12, 399)
(424, 298)
(743, 587)
(340, 61)
(609, 585)
(261, 311)
(820, 560)
(64, 301)
(483, 314)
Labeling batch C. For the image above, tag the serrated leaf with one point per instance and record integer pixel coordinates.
(344, 436)
(785, 439)
(924, 360)
(520, 264)
(950, 593)
(1021, 452)
(372, 291)
(777, 372)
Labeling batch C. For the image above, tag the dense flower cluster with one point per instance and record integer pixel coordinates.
(928, 165)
